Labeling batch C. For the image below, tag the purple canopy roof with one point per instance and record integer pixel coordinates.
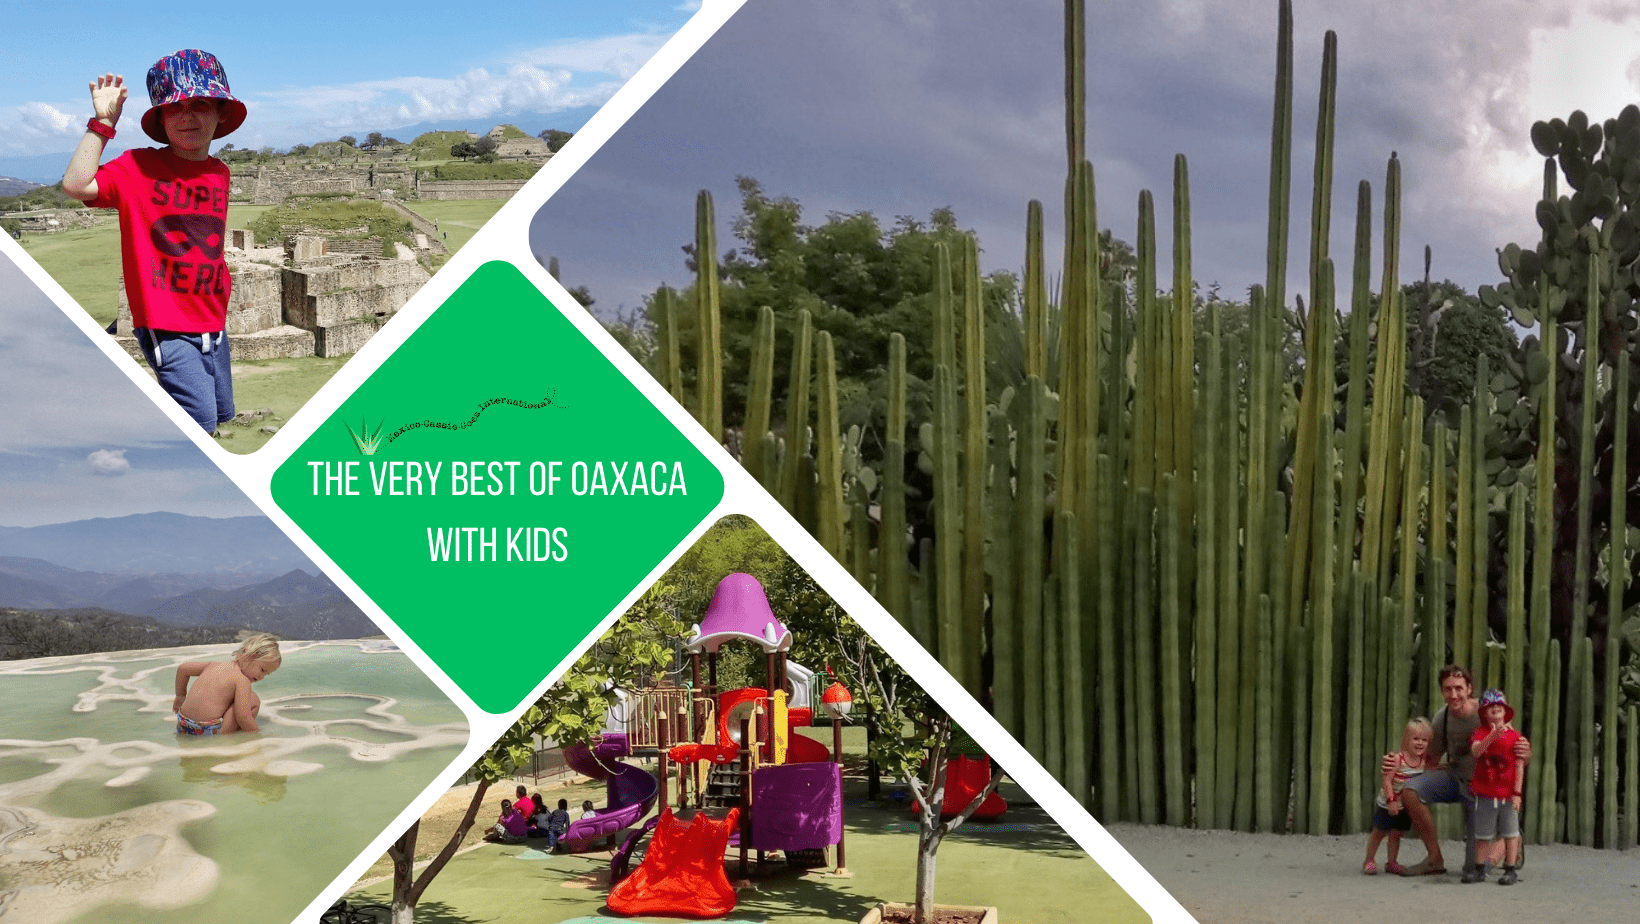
(740, 610)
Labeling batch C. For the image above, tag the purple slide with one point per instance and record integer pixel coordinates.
(631, 789)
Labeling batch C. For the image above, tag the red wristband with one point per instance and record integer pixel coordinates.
(95, 127)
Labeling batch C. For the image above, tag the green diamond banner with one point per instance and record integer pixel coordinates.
(497, 486)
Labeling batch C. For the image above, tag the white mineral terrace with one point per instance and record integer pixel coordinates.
(57, 868)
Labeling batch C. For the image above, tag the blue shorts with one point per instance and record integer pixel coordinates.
(187, 726)
(1382, 820)
(1439, 786)
(196, 370)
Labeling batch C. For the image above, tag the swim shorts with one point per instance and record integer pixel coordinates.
(187, 726)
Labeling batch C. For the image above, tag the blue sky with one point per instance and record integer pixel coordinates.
(315, 71)
(77, 439)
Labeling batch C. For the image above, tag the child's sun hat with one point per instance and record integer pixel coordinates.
(1496, 698)
(189, 74)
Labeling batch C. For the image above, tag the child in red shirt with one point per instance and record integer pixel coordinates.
(173, 206)
(1496, 788)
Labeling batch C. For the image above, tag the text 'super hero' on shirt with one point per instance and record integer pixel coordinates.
(173, 231)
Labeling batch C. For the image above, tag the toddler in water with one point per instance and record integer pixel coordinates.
(222, 701)
(1388, 818)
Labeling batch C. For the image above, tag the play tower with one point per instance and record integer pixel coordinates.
(743, 775)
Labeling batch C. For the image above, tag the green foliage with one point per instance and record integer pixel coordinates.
(46, 197)
(325, 212)
(859, 280)
(436, 145)
(510, 170)
(555, 139)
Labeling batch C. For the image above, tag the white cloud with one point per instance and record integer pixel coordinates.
(109, 462)
(616, 55)
(33, 127)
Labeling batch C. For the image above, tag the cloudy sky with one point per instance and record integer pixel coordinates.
(77, 439)
(313, 71)
(906, 106)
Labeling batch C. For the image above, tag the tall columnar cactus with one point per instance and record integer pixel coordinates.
(949, 638)
(894, 587)
(797, 415)
(759, 399)
(709, 321)
(1617, 558)
(828, 450)
(974, 463)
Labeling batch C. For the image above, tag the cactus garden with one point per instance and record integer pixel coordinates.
(1204, 573)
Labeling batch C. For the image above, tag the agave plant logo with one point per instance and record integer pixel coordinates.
(365, 438)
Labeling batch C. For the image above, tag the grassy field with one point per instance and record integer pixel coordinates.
(459, 219)
(86, 262)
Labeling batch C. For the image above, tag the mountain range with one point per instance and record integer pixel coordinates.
(236, 572)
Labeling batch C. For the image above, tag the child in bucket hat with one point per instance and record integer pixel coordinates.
(1496, 789)
(173, 207)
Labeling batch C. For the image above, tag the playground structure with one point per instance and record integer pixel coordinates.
(744, 777)
(631, 790)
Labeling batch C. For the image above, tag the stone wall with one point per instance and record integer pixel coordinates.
(325, 310)
(270, 184)
(255, 304)
(469, 189)
(327, 296)
(60, 220)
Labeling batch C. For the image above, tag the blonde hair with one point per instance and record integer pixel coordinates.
(1415, 725)
(259, 647)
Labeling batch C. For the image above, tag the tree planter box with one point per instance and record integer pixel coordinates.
(893, 911)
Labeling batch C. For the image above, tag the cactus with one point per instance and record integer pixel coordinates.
(894, 588)
(709, 322)
(759, 397)
(797, 415)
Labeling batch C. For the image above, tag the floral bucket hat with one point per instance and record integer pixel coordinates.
(1496, 698)
(189, 74)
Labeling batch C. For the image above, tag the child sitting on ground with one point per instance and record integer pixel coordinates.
(1495, 789)
(552, 825)
(1387, 817)
(222, 701)
(510, 826)
(524, 805)
(173, 206)
(587, 811)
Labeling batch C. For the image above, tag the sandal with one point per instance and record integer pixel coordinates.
(1395, 869)
(1423, 868)
(1369, 869)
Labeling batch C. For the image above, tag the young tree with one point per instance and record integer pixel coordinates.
(555, 139)
(349, 140)
(640, 645)
(913, 734)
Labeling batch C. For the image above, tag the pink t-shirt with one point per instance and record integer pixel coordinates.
(173, 229)
(525, 806)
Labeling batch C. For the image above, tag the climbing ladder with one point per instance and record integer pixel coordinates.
(723, 785)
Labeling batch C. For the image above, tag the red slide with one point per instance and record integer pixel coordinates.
(964, 778)
(682, 873)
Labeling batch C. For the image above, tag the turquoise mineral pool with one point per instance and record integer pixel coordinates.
(106, 814)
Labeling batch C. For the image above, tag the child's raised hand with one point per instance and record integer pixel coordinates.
(108, 94)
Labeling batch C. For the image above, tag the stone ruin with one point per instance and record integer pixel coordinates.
(325, 301)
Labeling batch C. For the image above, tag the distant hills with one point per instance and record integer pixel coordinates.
(159, 543)
(153, 573)
(11, 186)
